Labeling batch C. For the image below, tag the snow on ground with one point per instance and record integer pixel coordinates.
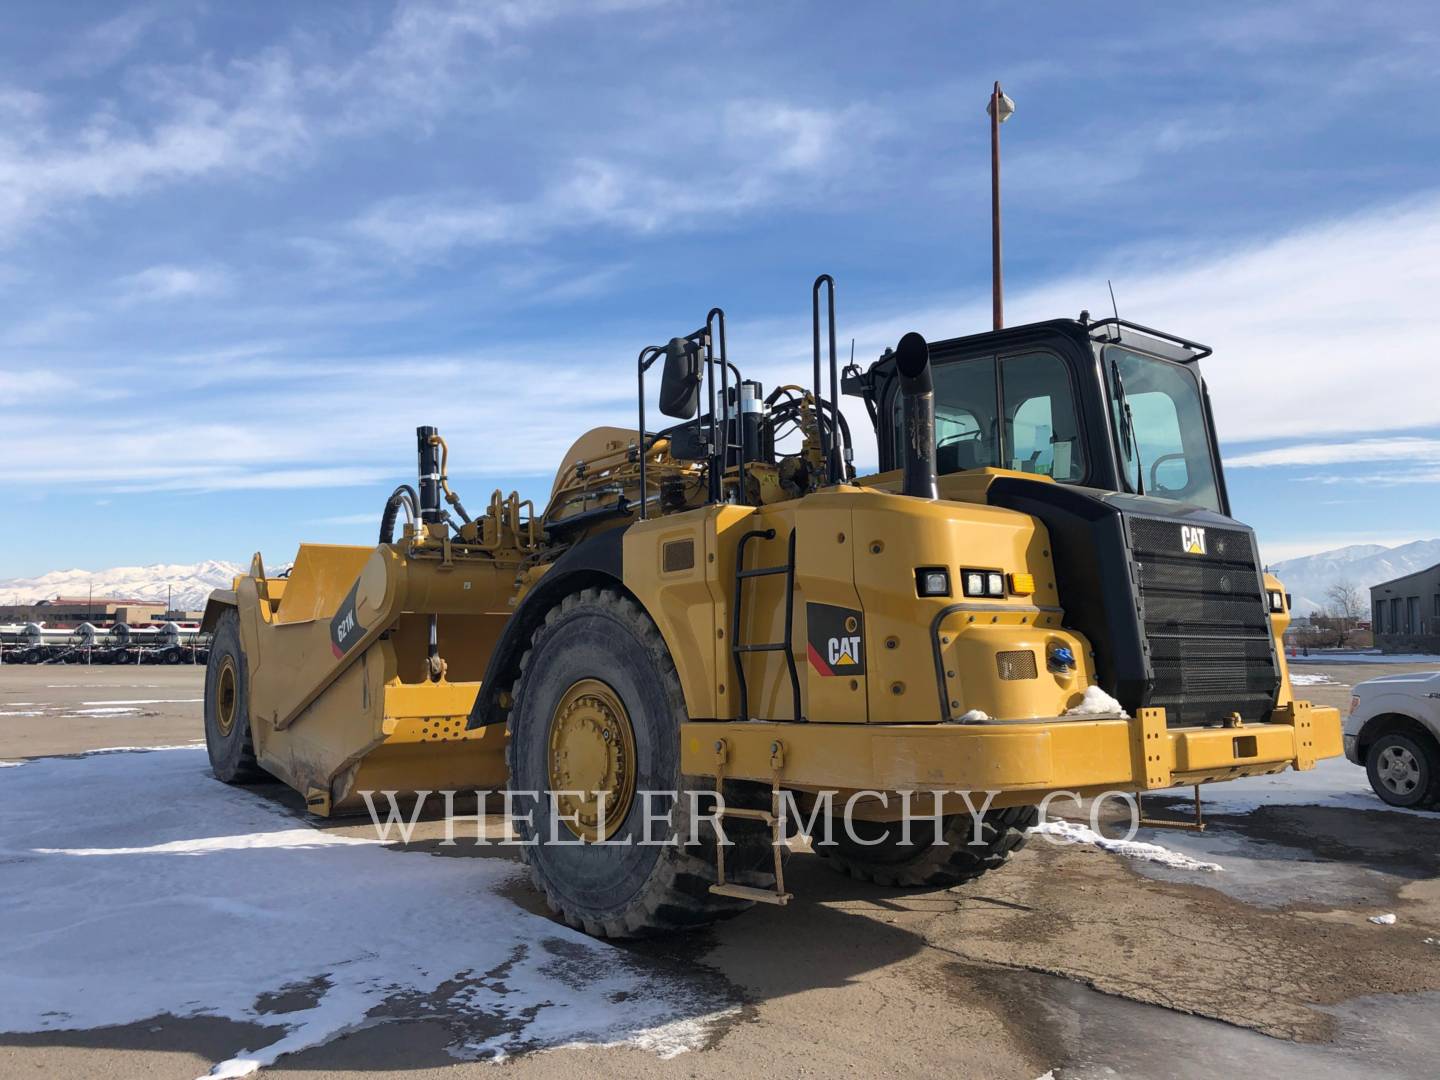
(1070, 832)
(1268, 870)
(1308, 679)
(1333, 782)
(148, 701)
(1318, 657)
(136, 886)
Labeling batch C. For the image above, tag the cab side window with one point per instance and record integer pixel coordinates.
(965, 427)
(1041, 433)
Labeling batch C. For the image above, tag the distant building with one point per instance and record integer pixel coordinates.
(73, 610)
(1406, 612)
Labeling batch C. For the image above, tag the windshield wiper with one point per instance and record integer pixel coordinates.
(1127, 425)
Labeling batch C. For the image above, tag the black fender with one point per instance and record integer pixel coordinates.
(596, 560)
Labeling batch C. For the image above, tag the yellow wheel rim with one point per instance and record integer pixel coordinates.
(592, 759)
(226, 696)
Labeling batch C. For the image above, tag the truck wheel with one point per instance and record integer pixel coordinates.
(227, 707)
(1404, 771)
(953, 862)
(597, 708)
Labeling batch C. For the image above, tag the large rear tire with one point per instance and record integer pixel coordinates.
(227, 707)
(598, 706)
(955, 861)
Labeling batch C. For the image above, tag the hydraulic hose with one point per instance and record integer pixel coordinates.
(404, 495)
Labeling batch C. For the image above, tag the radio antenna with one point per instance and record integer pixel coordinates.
(1113, 305)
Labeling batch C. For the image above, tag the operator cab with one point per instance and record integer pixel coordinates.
(1104, 405)
(1164, 583)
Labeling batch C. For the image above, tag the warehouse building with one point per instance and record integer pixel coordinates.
(1406, 612)
(74, 610)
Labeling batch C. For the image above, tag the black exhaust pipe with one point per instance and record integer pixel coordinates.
(917, 415)
(429, 475)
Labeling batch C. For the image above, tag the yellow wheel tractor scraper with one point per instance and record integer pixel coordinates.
(1041, 591)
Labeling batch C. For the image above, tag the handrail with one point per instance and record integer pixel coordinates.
(1201, 351)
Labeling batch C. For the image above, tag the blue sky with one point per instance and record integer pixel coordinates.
(245, 249)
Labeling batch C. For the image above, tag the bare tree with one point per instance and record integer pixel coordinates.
(1346, 605)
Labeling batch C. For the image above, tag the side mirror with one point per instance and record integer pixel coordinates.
(680, 383)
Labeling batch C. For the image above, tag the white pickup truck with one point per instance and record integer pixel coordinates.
(1394, 731)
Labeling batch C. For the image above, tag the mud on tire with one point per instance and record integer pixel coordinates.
(227, 707)
(614, 889)
(922, 863)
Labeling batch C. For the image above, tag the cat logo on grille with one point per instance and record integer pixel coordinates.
(1192, 539)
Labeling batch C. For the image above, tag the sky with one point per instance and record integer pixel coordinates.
(246, 249)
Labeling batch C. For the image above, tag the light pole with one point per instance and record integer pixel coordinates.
(1000, 108)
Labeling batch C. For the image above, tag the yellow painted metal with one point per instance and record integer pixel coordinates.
(333, 724)
(1022, 761)
(591, 760)
(1153, 753)
(226, 696)
(1279, 623)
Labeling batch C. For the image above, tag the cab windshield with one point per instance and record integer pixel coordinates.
(1159, 418)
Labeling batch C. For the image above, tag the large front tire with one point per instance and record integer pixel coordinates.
(227, 707)
(598, 705)
(876, 853)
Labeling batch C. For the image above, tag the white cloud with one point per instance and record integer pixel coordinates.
(1400, 448)
(170, 282)
(249, 115)
(107, 43)
(754, 154)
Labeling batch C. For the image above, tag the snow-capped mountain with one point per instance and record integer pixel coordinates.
(1308, 578)
(188, 583)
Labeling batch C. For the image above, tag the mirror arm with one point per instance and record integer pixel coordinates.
(647, 357)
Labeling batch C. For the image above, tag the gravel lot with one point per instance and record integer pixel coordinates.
(1072, 960)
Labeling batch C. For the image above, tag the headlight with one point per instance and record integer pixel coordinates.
(989, 583)
(932, 581)
(1277, 601)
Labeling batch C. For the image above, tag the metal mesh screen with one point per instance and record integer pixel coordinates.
(1016, 664)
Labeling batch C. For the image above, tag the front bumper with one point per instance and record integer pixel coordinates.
(1022, 761)
(1352, 749)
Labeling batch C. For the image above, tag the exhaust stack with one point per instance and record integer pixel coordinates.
(917, 415)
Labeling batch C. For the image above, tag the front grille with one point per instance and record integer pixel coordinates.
(1206, 621)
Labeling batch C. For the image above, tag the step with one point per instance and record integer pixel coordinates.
(746, 892)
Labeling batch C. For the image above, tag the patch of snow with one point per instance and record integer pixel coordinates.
(1366, 658)
(176, 854)
(1306, 679)
(148, 701)
(109, 711)
(1097, 702)
(974, 716)
(22, 712)
(1070, 832)
(1383, 920)
(1333, 782)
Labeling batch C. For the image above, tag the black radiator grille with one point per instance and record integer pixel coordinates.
(1206, 621)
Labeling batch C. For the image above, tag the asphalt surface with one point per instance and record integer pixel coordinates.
(1069, 961)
